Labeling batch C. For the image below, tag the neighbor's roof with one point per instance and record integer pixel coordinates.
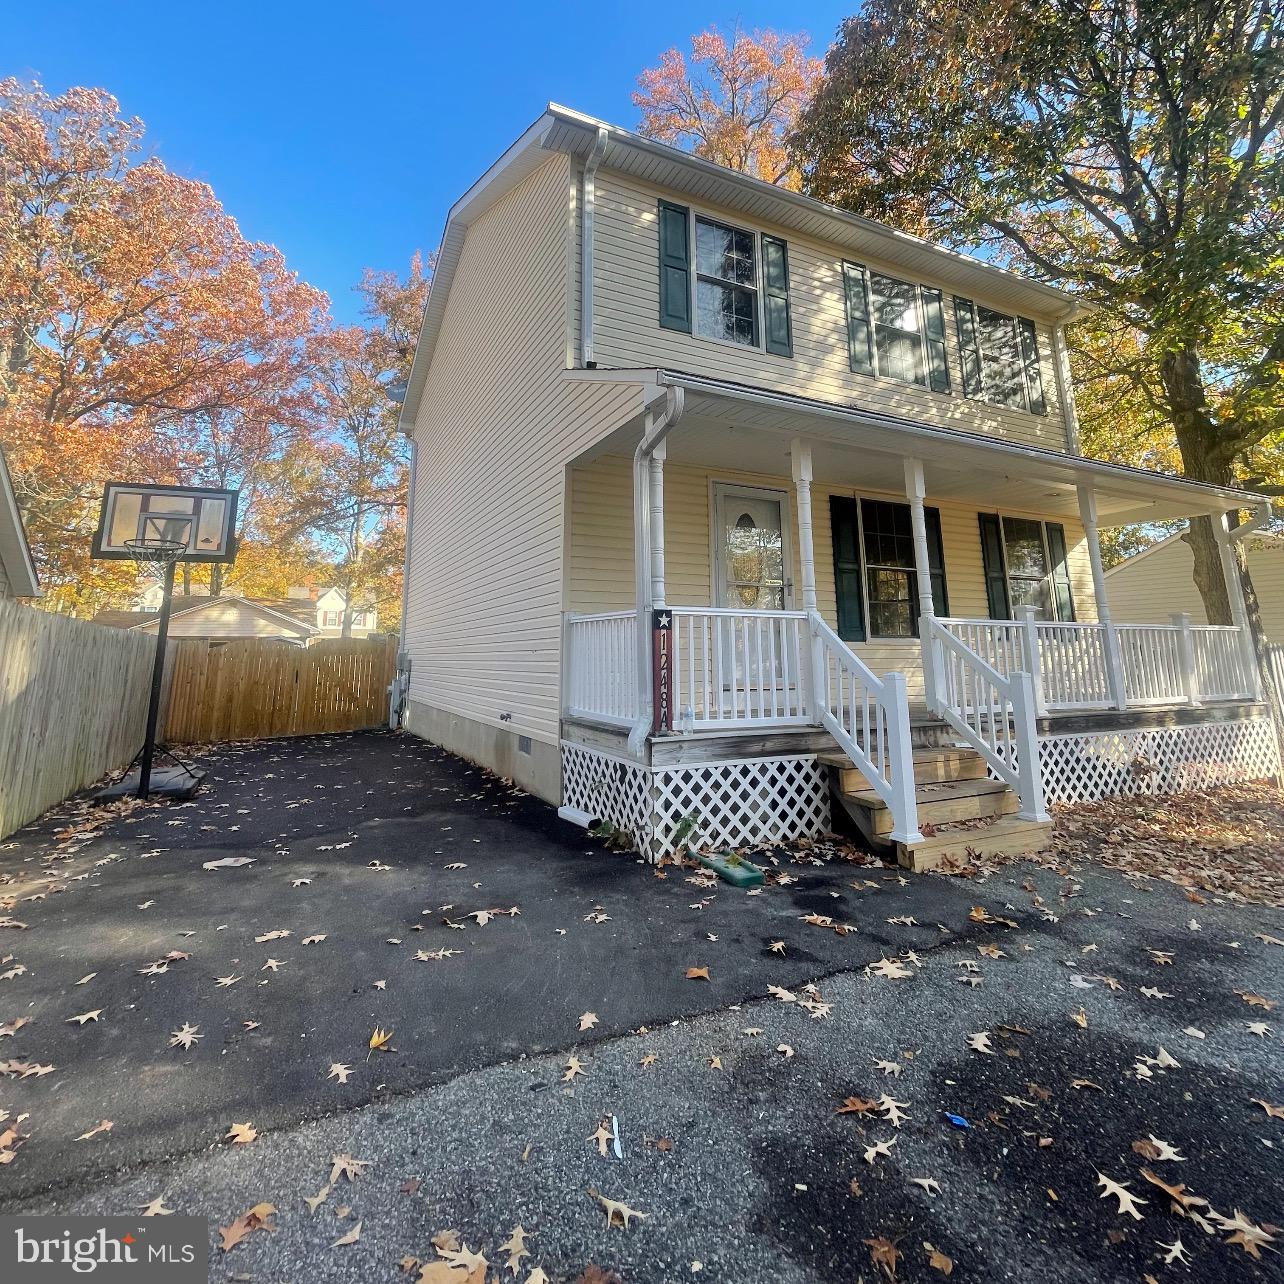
(15, 552)
(561, 129)
(1257, 538)
(300, 615)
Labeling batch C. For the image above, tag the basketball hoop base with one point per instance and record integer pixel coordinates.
(176, 783)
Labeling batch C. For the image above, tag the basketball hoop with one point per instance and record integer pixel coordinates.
(155, 555)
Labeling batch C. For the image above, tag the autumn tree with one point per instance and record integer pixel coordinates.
(734, 101)
(133, 316)
(1128, 150)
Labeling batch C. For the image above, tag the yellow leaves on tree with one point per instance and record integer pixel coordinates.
(734, 101)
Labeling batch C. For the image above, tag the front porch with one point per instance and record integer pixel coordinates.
(792, 593)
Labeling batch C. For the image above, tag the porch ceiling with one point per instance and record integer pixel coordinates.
(748, 429)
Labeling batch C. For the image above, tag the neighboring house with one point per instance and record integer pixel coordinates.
(1155, 584)
(17, 570)
(330, 605)
(710, 479)
(224, 619)
(322, 607)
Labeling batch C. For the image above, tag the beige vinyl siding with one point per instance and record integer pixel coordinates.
(496, 427)
(600, 567)
(627, 332)
(1148, 589)
(227, 618)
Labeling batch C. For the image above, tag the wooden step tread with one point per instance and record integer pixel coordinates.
(844, 763)
(940, 791)
(1006, 835)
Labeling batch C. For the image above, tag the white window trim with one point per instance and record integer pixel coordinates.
(693, 215)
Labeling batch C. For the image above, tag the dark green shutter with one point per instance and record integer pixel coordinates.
(996, 579)
(1030, 357)
(675, 267)
(1062, 594)
(938, 367)
(848, 586)
(775, 280)
(860, 334)
(969, 346)
(936, 561)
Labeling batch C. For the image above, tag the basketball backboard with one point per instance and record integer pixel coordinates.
(203, 518)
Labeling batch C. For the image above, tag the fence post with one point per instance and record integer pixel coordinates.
(1186, 656)
(1029, 771)
(900, 761)
(1029, 630)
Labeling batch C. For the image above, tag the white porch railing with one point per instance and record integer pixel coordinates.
(739, 668)
(601, 666)
(1161, 663)
(869, 717)
(991, 710)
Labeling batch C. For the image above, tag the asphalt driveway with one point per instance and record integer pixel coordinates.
(389, 849)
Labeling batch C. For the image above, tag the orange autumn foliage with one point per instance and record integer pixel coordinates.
(734, 101)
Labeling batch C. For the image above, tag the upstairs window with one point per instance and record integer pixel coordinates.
(737, 288)
(726, 283)
(895, 329)
(331, 620)
(1000, 357)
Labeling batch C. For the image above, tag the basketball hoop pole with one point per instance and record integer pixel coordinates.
(158, 674)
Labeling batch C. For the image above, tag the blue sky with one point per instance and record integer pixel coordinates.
(342, 132)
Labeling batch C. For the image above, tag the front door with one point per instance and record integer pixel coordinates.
(751, 553)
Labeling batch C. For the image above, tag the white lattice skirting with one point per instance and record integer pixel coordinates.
(1089, 766)
(730, 804)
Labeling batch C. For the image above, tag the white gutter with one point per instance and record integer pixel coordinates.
(1262, 517)
(1065, 388)
(587, 210)
(653, 436)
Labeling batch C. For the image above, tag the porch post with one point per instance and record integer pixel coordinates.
(1239, 608)
(1114, 658)
(1186, 649)
(915, 491)
(800, 455)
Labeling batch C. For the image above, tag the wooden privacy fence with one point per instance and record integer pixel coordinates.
(245, 689)
(73, 706)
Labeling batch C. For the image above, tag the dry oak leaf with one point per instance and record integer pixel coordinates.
(314, 940)
(461, 1257)
(1080, 1019)
(229, 862)
(1256, 1000)
(1175, 1252)
(515, 1247)
(885, 1255)
(876, 1148)
(777, 947)
(697, 974)
(990, 951)
(588, 1020)
(573, 1067)
(1128, 1202)
(346, 1167)
(350, 1238)
(338, 1071)
(779, 992)
(1272, 1111)
(603, 1137)
(241, 1134)
(103, 1126)
(380, 1039)
(279, 934)
(185, 1037)
(980, 1042)
(1176, 1193)
(617, 1213)
(156, 1208)
(937, 1260)
(79, 1020)
(1154, 1149)
(257, 1218)
(315, 1201)
(891, 969)
(856, 1106)
(440, 1273)
(1247, 1235)
(893, 1111)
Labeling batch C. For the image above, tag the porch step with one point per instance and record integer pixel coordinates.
(938, 804)
(1008, 835)
(931, 766)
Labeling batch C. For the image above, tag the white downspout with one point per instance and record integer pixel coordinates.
(588, 204)
(401, 683)
(657, 429)
(1065, 389)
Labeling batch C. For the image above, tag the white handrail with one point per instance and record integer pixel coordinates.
(994, 712)
(869, 718)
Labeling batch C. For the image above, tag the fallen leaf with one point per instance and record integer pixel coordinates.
(856, 1106)
(1273, 1112)
(156, 1209)
(350, 1238)
(981, 1042)
(1128, 1202)
(937, 1260)
(346, 1167)
(876, 1148)
(229, 862)
(185, 1037)
(617, 1213)
(340, 1072)
(241, 1134)
(588, 1020)
(515, 1247)
(884, 1255)
(573, 1067)
(315, 1201)
(697, 974)
(85, 1016)
(380, 1039)
(104, 1126)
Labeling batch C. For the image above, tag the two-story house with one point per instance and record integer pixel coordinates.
(723, 497)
